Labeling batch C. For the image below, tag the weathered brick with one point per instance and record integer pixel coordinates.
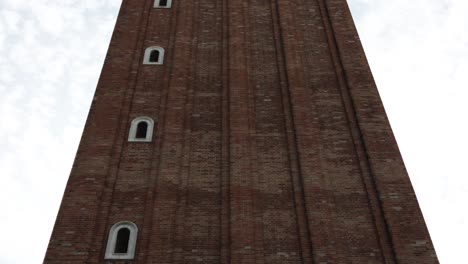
(271, 144)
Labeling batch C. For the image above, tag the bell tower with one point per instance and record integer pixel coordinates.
(241, 132)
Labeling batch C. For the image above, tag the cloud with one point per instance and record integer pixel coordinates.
(52, 52)
(47, 78)
(418, 53)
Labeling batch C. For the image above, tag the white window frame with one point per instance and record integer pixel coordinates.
(156, 4)
(134, 127)
(112, 240)
(146, 58)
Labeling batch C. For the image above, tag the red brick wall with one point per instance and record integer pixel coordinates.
(271, 144)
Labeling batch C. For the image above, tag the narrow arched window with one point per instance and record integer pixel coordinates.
(154, 55)
(141, 129)
(162, 3)
(121, 243)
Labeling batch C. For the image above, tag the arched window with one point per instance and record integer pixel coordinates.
(154, 55)
(162, 3)
(121, 242)
(141, 129)
(123, 237)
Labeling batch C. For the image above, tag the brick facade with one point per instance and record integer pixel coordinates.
(271, 144)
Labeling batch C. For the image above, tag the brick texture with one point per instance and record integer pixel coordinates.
(271, 144)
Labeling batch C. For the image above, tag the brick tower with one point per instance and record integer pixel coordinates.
(246, 131)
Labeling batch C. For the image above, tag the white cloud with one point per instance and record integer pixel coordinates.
(52, 52)
(45, 68)
(418, 54)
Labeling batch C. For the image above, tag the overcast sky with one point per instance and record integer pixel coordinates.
(51, 56)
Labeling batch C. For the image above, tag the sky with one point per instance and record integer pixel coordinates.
(51, 57)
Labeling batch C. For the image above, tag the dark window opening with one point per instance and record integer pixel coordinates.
(154, 56)
(123, 237)
(163, 3)
(142, 129)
